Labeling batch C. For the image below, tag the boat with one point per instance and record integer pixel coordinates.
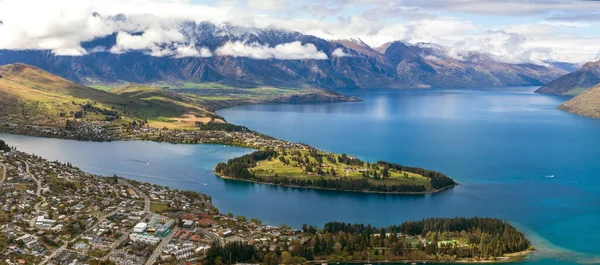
(550, 176)
(205, 184)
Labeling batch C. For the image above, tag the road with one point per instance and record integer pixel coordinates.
(160, 246)
(39, 187)
(139, 193)
(64, 246)
(214, 237)
(3, 173)
(115, 245)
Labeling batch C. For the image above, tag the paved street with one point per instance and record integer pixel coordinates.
(39, 188)
(3, 174)
(214, 237)
(160, 246)
(139, 193)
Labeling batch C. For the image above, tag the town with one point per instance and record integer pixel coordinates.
(103, 131)
(53, 213)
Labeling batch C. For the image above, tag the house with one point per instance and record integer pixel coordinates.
(189, 224)
(140, 228)
(42, 223)
(146, 239)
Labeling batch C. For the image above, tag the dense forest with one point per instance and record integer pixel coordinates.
(239, 168)
(434, 239)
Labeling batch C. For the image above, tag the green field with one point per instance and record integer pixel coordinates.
(158, 207)
(329, 167)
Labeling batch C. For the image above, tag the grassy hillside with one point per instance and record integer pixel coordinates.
(166, 108)
(585, 104)
(184, 106)
(576, 82)
(311, 168)
(300, 164)
(29, 95)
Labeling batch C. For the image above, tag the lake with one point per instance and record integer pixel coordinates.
(516, 156)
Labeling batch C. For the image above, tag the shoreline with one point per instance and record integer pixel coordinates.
(508, 258)
(85, 131)
(328, 189)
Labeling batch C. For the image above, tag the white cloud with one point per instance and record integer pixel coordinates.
(151, 39)
(267, 4)
(339, 52)
(287, 51)
(191, 51)
(61, 25)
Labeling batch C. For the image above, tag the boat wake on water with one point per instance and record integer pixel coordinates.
(574, 181)
(140, 161)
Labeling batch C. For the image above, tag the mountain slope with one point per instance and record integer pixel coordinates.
(394, 65)
(576, 82)
(586, 104)
(31, 96)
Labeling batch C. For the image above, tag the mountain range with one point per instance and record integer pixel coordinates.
(348, 63)
(576, 82)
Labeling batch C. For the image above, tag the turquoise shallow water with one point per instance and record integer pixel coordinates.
(515, 155)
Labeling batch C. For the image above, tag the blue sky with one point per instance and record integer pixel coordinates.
(515, 31)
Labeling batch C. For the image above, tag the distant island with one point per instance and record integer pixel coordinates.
(312, 168)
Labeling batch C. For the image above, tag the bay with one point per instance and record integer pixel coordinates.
(516, 156)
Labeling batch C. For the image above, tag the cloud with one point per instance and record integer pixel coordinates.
(191, 51)
(339, 52)
(495, 7)
(158, 43)
(287, 51)
(576, 16)
(556, 29)
(266, 4)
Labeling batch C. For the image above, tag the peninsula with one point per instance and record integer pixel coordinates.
(54, 213)
(38, 103)
(312, 168)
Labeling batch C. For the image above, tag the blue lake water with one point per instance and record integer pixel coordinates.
(516, 156)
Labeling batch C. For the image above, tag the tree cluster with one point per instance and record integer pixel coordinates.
(213, 126)
(4, 147)
(231, 253)
(432, 239)
(238, 167)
